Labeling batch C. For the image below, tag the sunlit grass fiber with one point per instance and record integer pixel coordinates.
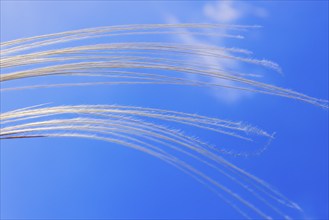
(146, 63)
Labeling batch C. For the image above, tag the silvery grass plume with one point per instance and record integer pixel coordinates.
(127, 126)
(140, 128)
(127, 63)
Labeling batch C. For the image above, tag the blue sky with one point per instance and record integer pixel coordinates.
(64, 178)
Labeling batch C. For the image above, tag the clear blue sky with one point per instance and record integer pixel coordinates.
(63, 178)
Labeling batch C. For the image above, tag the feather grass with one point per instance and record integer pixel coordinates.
(124, 125)
(90, 60)
(147, 63)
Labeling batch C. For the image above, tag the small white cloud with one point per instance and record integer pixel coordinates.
(223, 12)
(230, 11)
(224, 95)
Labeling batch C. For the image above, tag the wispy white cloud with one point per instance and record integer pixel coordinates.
(221, 12)
(230, 11)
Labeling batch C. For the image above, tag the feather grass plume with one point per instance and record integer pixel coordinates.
(122, 61)
(134, 127)
(125, 125)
